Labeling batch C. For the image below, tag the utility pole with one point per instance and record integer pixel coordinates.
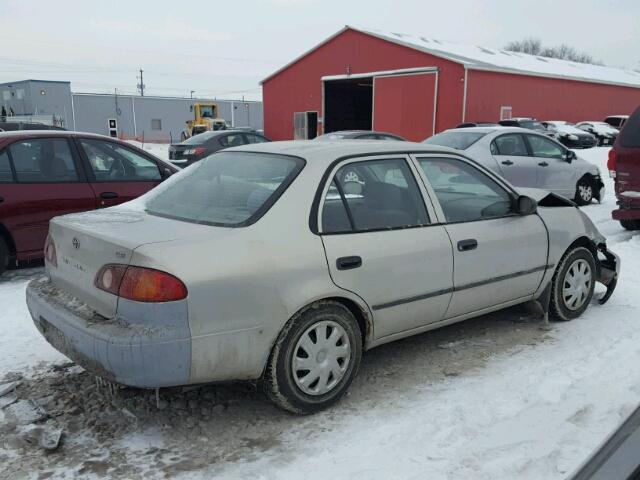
(192, 92)
(141, 85)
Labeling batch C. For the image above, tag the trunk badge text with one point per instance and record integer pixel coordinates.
(76, 243)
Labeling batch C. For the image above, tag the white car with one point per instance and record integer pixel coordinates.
(604, 132)
(570, 135)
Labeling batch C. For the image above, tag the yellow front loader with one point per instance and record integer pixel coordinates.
(205, 119)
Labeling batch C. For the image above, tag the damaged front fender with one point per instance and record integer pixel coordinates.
(608, 271)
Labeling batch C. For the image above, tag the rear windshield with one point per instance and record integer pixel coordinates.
(532, 125)
(457, 140)
(227, 189)
(630, 133)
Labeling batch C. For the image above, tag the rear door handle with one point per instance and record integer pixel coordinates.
(468, 244)
(108, 195)
(543, 164)
(348, 263)
(507, 162)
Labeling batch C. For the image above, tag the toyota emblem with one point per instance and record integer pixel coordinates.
(76, 243)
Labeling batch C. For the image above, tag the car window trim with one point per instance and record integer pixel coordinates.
(432, 193)
(81, 177)
(11, 166)
(89, 169)
(329, 176)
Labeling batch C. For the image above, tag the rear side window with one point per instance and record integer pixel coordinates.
(232, 140)
(252, 138)
(457, 140)
(510, 145)
(227, 189)
(45, 160)
(630, 134)
(373, 195)
(5, 168)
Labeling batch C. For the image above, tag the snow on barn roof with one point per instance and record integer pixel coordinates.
(477, 57)
(482, 58)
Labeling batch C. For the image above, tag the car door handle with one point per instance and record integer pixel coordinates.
(108, 195)
(348, 263)
(468, 244)
(543, 164)
(507, 162)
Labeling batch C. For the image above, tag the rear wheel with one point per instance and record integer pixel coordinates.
(572, 284)
(584, 191)
(630, 224)
(315, 358)
(4, 256)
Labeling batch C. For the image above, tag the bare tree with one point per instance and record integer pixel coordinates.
(533, 46)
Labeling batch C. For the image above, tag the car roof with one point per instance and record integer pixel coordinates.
(498, 128)
(50, 133)
(327, 152)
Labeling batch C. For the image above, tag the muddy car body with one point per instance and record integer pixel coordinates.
(282, 262)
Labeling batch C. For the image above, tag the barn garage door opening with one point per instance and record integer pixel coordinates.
(348, 104)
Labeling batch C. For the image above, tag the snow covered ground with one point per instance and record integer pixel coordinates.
(493, 398)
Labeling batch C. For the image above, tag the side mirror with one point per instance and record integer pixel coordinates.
(526, 205)
(570, 156)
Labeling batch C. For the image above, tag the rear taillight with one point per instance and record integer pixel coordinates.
(195, 151)
(140, 284)
(50, 251)
(612, 163)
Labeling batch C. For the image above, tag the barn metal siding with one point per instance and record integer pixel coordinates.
(544, 98)
(298, 87)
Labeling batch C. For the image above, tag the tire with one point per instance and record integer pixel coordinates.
(630, 224)
(585, 191)
(569, 303)
(4, 256)
(286, 385)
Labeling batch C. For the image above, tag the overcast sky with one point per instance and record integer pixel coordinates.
(224, 48)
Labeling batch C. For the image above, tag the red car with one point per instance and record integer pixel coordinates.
(48, 173)
(624, 167)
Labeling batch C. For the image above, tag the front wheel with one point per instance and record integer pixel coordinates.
(4, 256)
(584, 191)
(315, 359)
(572, 284)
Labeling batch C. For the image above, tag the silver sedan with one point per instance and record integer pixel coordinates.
(528, 159)
(282, 262)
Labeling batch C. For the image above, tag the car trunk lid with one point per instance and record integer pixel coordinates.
(86, 242)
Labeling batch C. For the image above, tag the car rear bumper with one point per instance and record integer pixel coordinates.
(156, 352)
(626, 214)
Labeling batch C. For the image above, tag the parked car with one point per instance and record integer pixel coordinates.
(617, 458)
(570, 135)
(359, 135)
(616, 121)
(206, 143)
(48, 173)
(293, 270)
(528, 123)
(477, 124)
(624, 168)
(528, 159)
(13, 126)
(605, 134)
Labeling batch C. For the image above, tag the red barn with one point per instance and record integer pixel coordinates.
(416, 86)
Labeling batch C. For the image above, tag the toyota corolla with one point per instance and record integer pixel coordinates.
(281, 263)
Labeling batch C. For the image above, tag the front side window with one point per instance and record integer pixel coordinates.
(111, 162)
(46, 160)
(512, 144)
(545, 148)
(373, 195)
(5, 168)
(465, 193)
(227, 189)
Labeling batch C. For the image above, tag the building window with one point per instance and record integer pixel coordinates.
(156, 124)
(505, 113)
(6, 95)
(20, 93)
